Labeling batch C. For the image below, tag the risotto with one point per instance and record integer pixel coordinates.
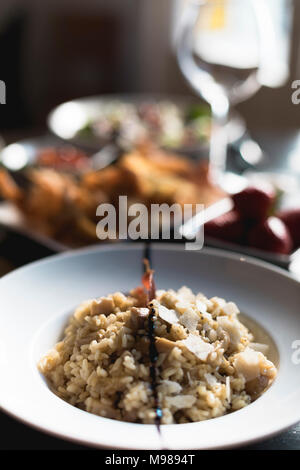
(206, 363)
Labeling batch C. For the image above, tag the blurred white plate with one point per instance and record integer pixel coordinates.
(47, 291)
(67, 119)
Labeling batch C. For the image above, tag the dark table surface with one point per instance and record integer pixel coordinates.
(282, 150)
(17, 436)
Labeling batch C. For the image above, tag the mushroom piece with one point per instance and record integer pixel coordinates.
(255, 387)
(164, 345)
(234, 329)
(104, 305)
(138, 317)
(224, 337)
(252, 364)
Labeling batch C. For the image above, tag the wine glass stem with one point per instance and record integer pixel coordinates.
(219, 141)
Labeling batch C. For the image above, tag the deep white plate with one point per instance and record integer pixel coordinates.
(36, 300)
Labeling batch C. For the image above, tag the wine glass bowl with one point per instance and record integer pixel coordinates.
(219, 54)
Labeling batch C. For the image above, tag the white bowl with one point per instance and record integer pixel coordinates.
(36, 300)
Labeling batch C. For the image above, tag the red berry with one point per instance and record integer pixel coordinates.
(291, 218)
(271, 235)
(254, 202)
(228, 227)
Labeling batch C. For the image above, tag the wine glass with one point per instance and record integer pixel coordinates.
(224, 49)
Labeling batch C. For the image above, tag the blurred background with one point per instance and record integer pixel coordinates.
(239, 56)
(53, 51)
